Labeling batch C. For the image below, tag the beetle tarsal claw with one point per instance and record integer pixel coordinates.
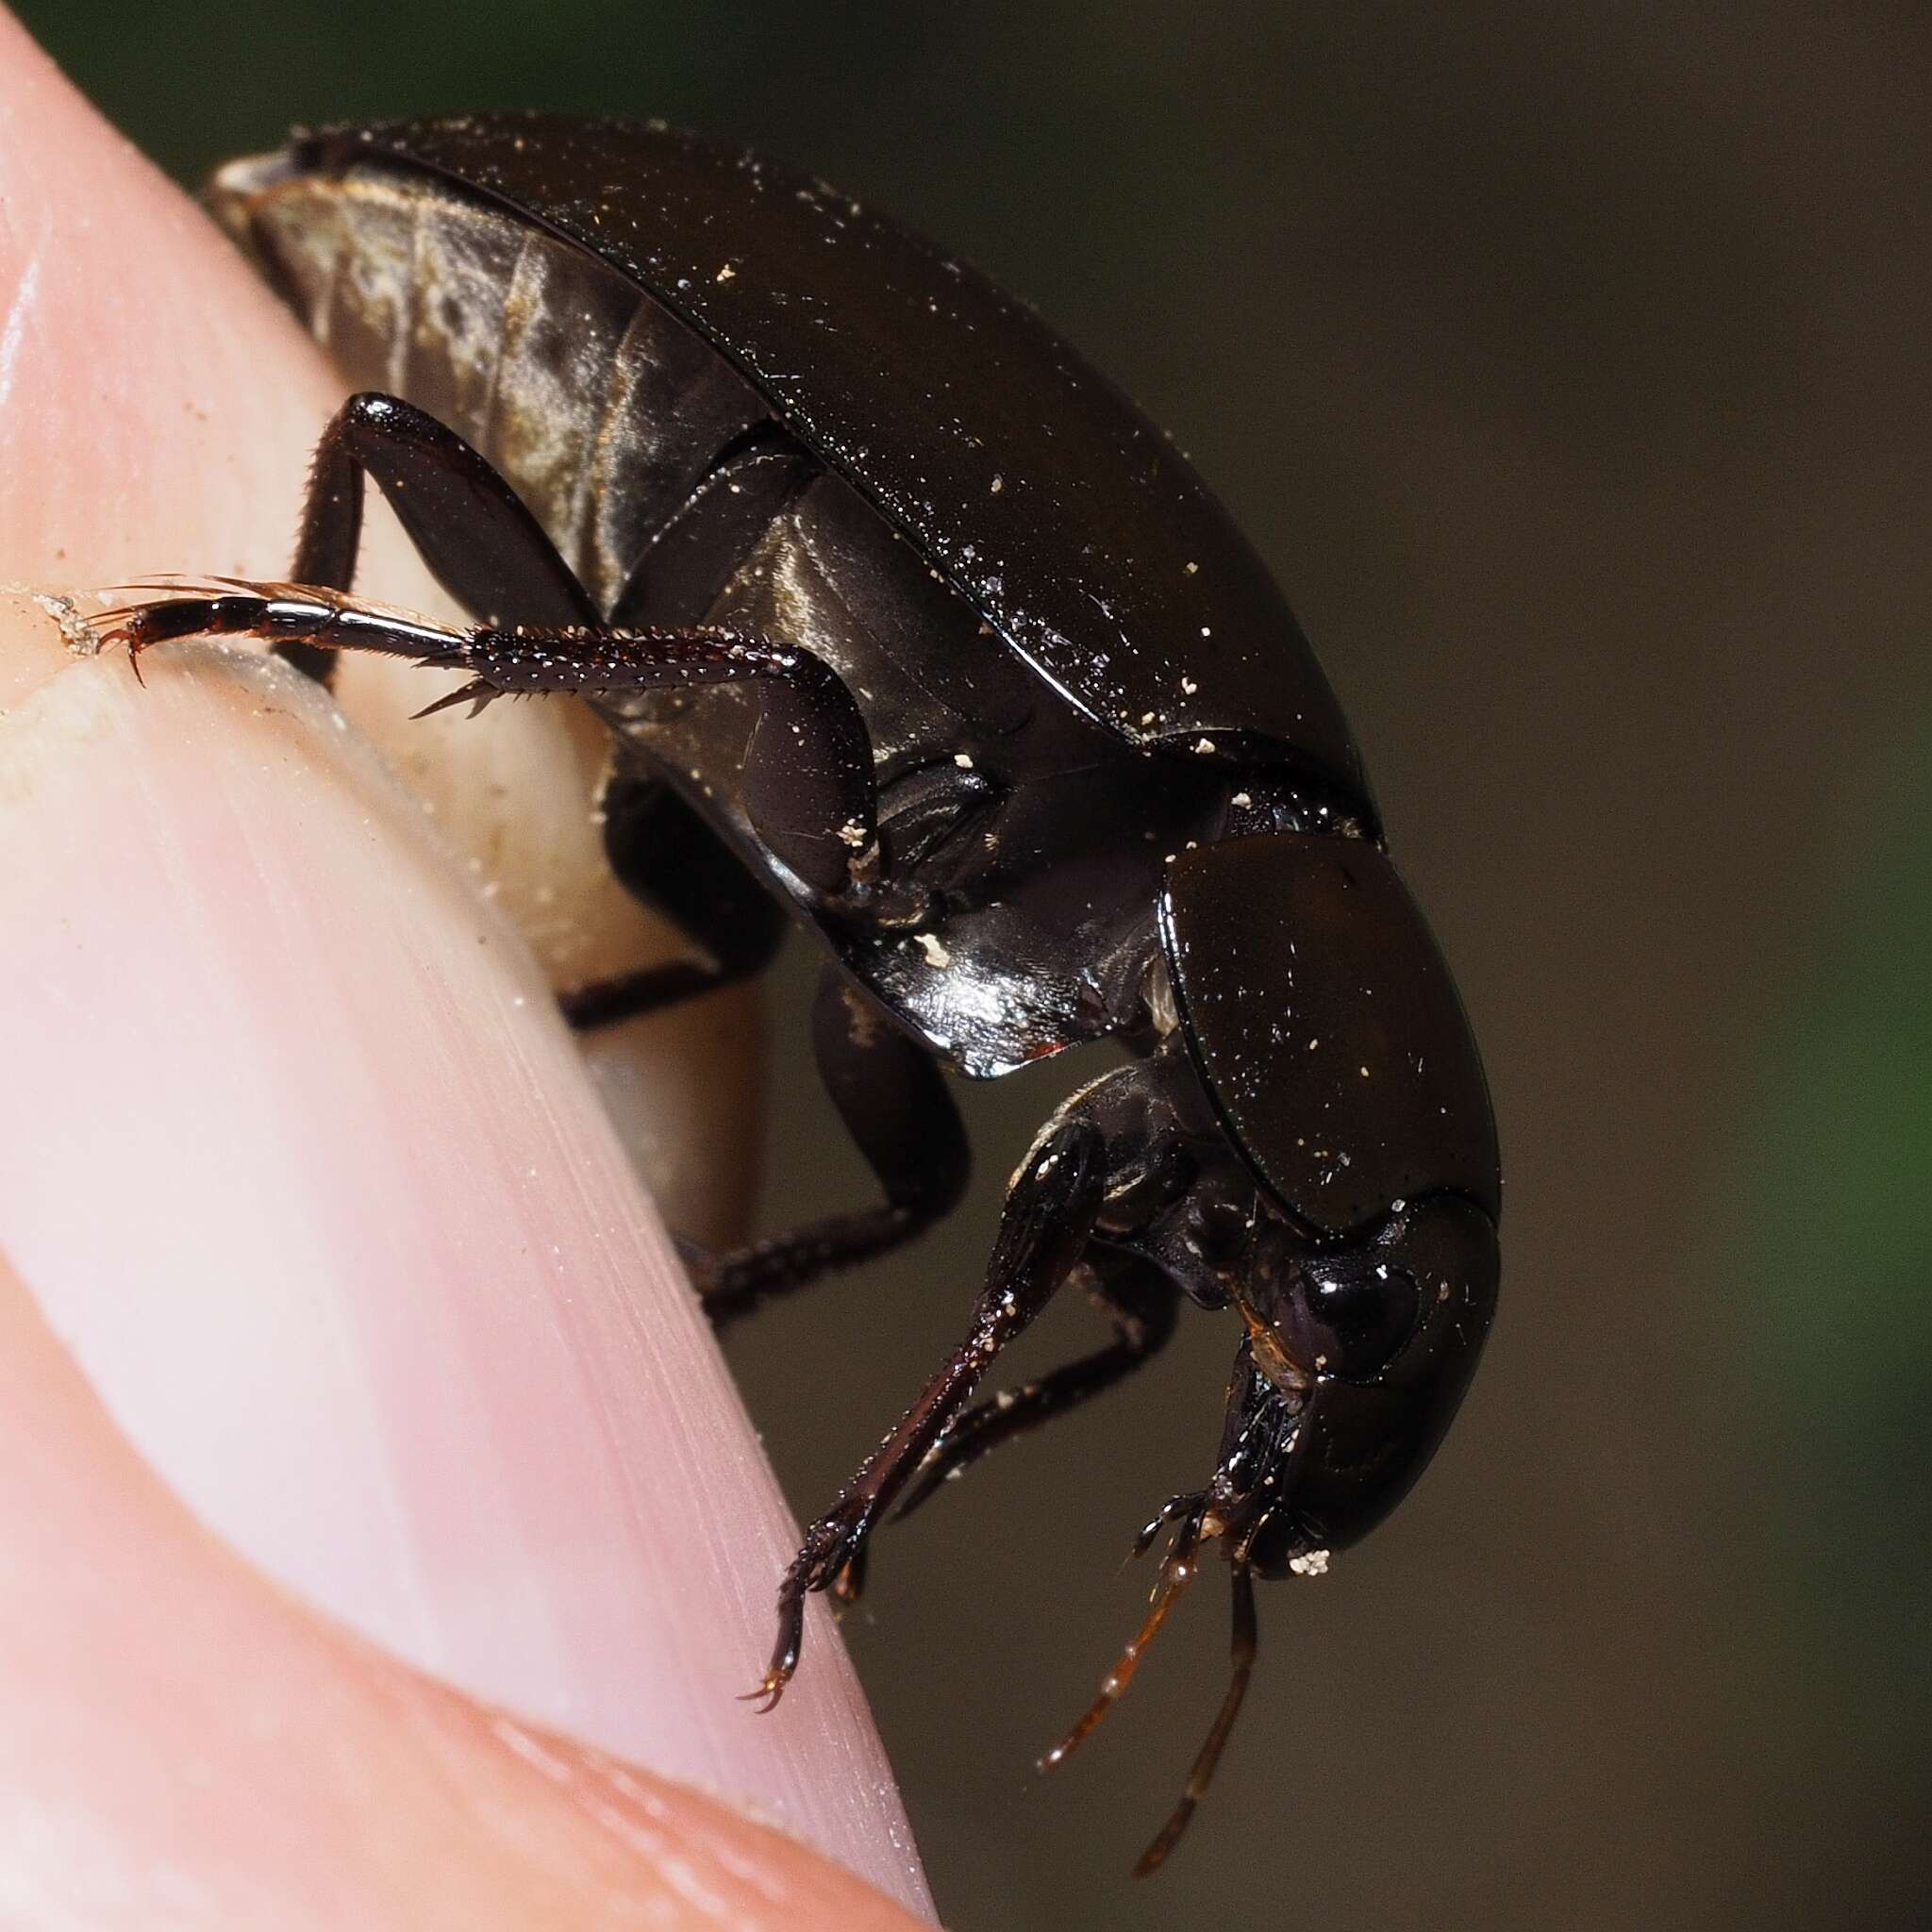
(766, 1692)
(478, 694)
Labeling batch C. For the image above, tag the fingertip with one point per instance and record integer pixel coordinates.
(309, 1176)
(184, 1743)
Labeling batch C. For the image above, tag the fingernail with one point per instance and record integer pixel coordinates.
(308, 1177)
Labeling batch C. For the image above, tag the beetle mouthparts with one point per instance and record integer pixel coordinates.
(1272, 1356)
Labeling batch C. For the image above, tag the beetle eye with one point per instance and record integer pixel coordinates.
(1352, 1315)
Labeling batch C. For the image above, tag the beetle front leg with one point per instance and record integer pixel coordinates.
(1140, 1303)
(1049, 1213)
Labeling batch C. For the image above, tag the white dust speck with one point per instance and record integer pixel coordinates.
(1314, 1564)
(936, 954)
(75, 632)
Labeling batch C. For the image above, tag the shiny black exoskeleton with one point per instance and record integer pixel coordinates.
(909, 627)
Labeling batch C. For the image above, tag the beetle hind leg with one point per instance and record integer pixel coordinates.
(469, 527)
(808, 786)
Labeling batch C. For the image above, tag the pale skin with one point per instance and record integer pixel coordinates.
(338, 1339)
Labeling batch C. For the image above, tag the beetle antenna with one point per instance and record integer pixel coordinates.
(1169, 1511)
(1242, 1649)
(1177, 1573)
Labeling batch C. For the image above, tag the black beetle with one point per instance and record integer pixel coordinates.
(996, 702)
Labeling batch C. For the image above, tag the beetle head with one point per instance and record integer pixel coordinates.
(1328, 1038)
(1370, 1346)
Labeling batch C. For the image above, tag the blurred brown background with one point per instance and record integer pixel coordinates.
(1569, 364)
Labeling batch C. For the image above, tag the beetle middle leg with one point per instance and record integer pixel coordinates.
(810, 796)
(894, 1103)
(664, 854)
(1049, 1213)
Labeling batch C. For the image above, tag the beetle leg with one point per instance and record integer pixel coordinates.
(471, 528)
(1048, 1215)
(666, 855)
(893, 1101)
(849, 1585)
(808, 786)
(807, 781)
(485, 548)
(1138, 1300)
